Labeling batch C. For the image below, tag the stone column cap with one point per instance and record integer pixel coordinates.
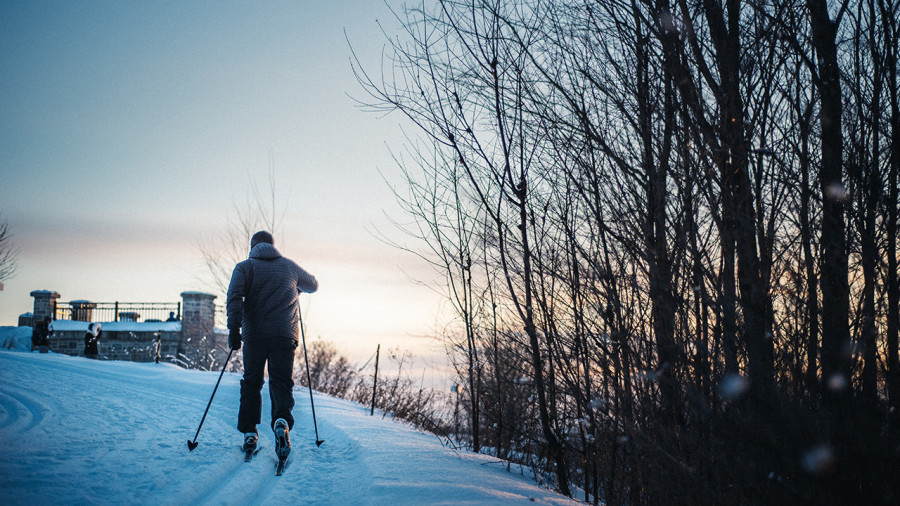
(50, 293)
(197, 294)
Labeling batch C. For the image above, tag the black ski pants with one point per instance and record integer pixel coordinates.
(280, 358)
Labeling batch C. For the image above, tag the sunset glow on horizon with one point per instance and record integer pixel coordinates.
(131, 130)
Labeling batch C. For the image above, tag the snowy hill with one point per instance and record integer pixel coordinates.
(79, 431)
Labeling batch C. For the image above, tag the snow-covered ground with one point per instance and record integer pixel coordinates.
(80, 431)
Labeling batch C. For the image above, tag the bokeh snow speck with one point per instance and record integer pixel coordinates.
(819, 460)
(733, 387)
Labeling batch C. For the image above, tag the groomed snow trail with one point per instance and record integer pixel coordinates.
(79, 431)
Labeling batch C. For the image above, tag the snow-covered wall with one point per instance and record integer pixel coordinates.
(193, 342)
(132, 341)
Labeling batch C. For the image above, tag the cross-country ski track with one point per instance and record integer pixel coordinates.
(80, 431)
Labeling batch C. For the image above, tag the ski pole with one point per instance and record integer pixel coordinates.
(193, 444)
(308, 379)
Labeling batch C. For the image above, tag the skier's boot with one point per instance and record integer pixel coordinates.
(282, 440)
(250, 440)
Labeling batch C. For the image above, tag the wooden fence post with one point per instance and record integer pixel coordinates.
(375, 383)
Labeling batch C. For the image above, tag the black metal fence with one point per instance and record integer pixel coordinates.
(118, 311)
(221, 318)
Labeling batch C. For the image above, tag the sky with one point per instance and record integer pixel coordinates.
(130, 131)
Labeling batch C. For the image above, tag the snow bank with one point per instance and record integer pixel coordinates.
(15, 338)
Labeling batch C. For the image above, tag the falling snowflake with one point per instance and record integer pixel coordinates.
(837, 382)
(819, 460)
(667, 22)
(837, 191)
(598, 403)
(733, 387)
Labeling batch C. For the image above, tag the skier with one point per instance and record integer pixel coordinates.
(262, 307)
(40, 336)
(91, 338)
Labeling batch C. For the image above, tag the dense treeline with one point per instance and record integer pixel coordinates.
(668, 232)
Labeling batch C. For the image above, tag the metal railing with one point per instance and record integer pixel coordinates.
(221, 317)
(117, 311)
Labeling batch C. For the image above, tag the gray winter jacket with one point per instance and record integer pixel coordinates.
(263, 296)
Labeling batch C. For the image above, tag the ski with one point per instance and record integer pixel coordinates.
(279, 468)
(248, 454)
(282, 444)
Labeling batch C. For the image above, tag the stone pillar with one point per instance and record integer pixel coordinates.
(26, 320)
(198, 319)
(82, 310)
(44, 304)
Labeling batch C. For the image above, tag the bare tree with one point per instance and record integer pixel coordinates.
(464, 83)
(9, 254)
(889, 10)
(687, 236)
(258, 211)
(447, 225)
(835, 289)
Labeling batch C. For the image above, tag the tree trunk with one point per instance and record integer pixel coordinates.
(474, 369)
(870, 186)
(891, 41)
(809, 263)
(654, 236)
(537, 362)
(835, 287)
(737, 193)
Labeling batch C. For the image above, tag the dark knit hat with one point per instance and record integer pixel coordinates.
(261, 236)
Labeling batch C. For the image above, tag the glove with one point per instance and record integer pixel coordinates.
(234, 339)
